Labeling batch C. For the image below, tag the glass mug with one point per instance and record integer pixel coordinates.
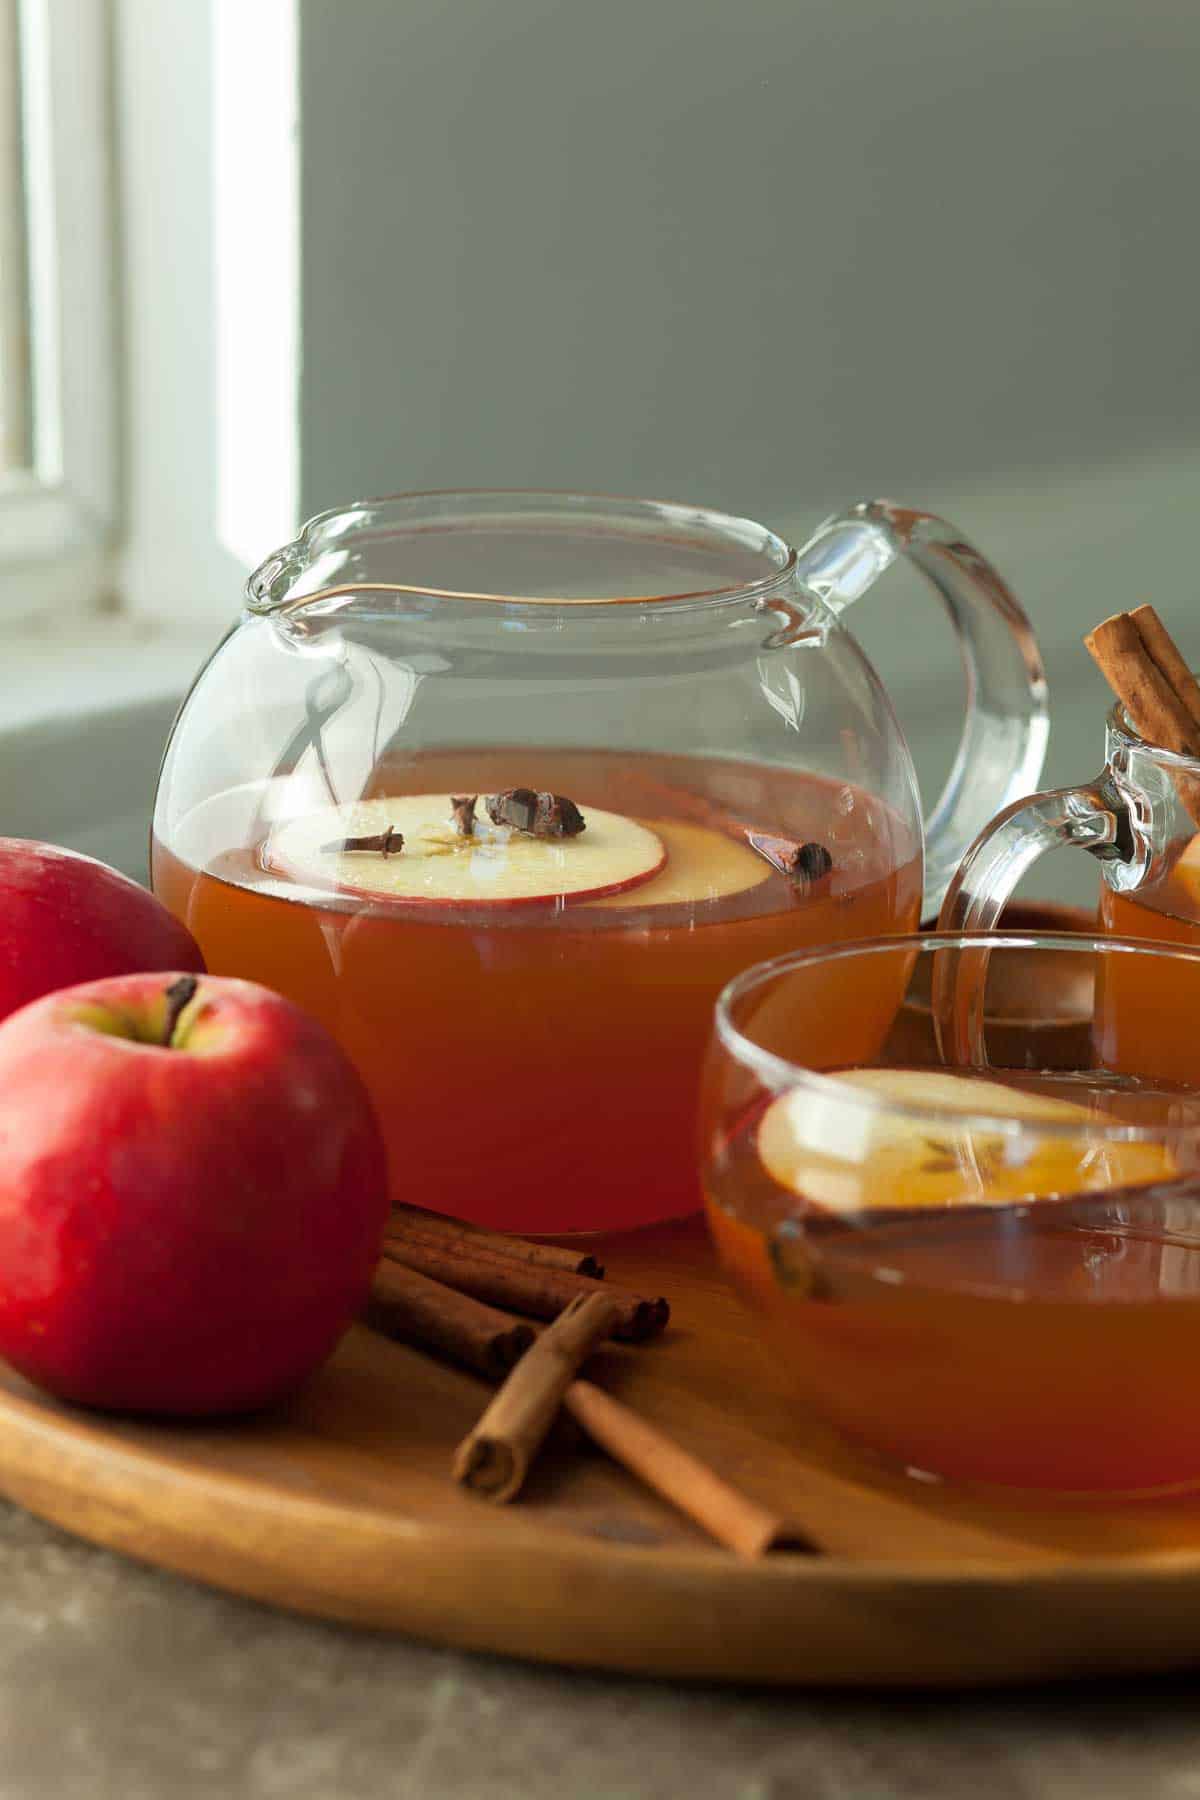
(372, 801)
(971, 1267)
(1139, 819)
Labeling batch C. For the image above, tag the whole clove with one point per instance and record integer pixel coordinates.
(802, 863)
(542, 814)
(811, 860)
(386, 843)
(463, 807)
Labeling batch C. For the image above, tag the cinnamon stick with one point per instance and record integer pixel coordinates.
(494, 1458)
(1143, 672)
(524, 1287)
(731, 1517)
(415, 1222)
(409, 1306)
(1171, 663)
(1154, 708)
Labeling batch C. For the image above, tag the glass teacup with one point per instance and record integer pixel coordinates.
(977, 1270)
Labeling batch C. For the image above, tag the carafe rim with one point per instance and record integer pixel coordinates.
(276, 585)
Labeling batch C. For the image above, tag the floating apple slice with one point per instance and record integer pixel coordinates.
(438, 865)
(701, 865)
(841, 1155)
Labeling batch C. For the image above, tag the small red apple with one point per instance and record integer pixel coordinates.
(65, 918)
(193, 1190)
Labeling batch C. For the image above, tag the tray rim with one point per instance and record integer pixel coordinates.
(94, 1489)
(113, 1449)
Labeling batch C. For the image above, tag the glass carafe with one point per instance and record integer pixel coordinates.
(349, 811)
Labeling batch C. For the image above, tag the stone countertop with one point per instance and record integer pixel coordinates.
(121, 1683)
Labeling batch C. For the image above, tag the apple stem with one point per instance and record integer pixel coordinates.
(177, 996)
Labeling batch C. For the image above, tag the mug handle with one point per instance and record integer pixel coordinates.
(1003, 743)
(1095, 816)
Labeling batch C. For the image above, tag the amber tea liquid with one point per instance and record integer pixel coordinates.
(1050, 1345)
(1146, 1010)
(535, 1067)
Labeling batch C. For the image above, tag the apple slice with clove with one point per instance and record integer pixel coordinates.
(410, 848)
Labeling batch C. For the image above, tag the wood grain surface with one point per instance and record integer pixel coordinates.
(342, 1505)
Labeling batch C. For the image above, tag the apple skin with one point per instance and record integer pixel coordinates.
(183, 1230)
(426, 904)
(66, 918)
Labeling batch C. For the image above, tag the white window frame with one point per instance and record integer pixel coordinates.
(57, 520)
(207, 178)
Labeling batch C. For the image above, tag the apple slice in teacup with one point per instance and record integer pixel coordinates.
(867, 1142)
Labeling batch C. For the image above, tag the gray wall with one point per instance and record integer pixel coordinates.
(774, 254)
(764, 253)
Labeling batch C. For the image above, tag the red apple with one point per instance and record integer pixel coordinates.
(65, 918)
(193, 1191)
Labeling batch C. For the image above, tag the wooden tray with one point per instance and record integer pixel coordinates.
(342, 1507)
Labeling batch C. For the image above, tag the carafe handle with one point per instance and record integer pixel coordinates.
(1004, 734)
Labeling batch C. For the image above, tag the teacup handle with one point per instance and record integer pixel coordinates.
(1004, 734)
(1095, 816)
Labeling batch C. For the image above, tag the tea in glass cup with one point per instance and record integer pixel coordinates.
(981, 1272)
